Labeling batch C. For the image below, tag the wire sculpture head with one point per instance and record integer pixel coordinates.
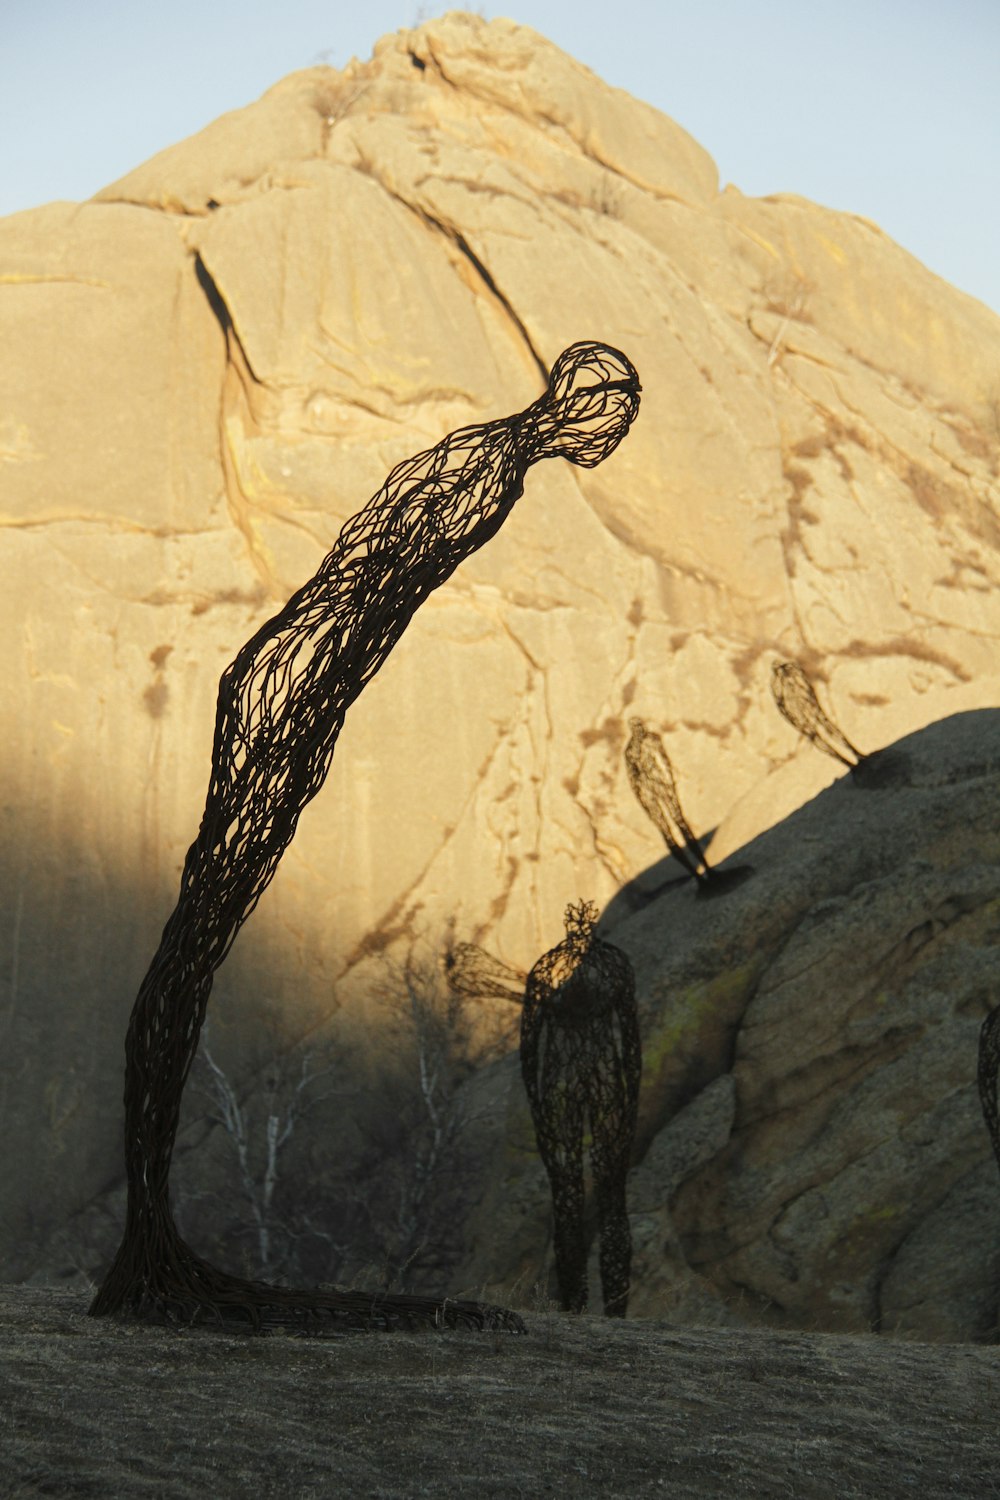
(591, 402)
(581, 919)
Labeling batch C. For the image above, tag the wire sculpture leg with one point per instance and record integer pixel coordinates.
(564, 1165)
(612, 1131)
(616, 1237)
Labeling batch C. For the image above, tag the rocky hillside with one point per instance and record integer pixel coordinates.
(210, 365)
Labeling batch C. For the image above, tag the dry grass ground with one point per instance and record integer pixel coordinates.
(581, 1406)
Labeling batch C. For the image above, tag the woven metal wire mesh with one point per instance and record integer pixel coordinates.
(281, 706)
(989, 1066)
(471, 971)
(581, 1061)
(651, 777)
(797, 702)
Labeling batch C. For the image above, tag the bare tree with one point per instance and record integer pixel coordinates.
(437, 1038)
(260, 1123)
(393, 1211)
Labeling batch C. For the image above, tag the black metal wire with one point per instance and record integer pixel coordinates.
(281, 707)
(989, 1065)
(581, 1061)
(796, 699)
(471, 971)
(651, 777)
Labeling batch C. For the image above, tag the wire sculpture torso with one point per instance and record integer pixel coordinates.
(281, 706)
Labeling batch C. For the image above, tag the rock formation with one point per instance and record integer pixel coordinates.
(812, 1148)
(210, 365)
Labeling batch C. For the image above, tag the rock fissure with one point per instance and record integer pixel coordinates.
(488, 281)
(223, 316)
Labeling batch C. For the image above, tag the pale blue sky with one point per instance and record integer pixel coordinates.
(888, 108)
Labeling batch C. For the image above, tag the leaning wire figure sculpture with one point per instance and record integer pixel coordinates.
(281, 705)
(989, 1066)
(581, 1061)
(651, 777)
(471, 971)
(796, 701)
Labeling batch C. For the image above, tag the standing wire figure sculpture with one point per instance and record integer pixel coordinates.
(281, 706)
(581, 1061)
(797, 702)
(651, 777)
(989, 1066)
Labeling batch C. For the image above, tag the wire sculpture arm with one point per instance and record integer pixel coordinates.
(470, 970)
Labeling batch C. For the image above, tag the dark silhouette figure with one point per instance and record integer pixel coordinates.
(281, 706)
(651, 777)
(581, 1060)
(989, 1065)
(797, 702)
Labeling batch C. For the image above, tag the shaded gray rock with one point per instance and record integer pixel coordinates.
(812, 1150)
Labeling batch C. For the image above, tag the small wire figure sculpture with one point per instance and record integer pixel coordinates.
(281, 706)
(471, 971)
(581, 1061)
(797, 702)
(651, 777)
(989, 1066)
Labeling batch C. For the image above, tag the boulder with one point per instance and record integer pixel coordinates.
(811, 1148)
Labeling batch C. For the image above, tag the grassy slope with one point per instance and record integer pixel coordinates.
(579, 1407)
